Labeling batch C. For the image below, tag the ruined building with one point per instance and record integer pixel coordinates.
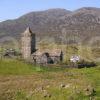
(29, 52)
(48, 56)
(27, 43)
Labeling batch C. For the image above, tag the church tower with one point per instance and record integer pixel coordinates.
(27, 43)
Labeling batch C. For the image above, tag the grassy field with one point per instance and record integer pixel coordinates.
(22, 81)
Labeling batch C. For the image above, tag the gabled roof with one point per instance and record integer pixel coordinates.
(55, 52)
(27, 32)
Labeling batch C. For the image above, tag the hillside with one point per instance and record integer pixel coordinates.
(56, 25)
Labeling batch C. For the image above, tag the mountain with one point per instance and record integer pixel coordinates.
(58, 25)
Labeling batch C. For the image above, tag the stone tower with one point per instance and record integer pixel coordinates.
(27, 43)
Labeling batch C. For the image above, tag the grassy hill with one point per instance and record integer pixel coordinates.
(54, 24)
(22, 81)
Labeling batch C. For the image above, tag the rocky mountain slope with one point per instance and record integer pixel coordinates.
(57, 25)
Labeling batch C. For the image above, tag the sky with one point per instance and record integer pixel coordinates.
(11, 9)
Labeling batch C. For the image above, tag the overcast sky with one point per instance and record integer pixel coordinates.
(11, 9)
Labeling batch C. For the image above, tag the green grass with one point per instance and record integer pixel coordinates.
(15, 67)
(19, 81)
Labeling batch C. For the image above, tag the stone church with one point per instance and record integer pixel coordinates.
(27, 43)
(29, 52)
